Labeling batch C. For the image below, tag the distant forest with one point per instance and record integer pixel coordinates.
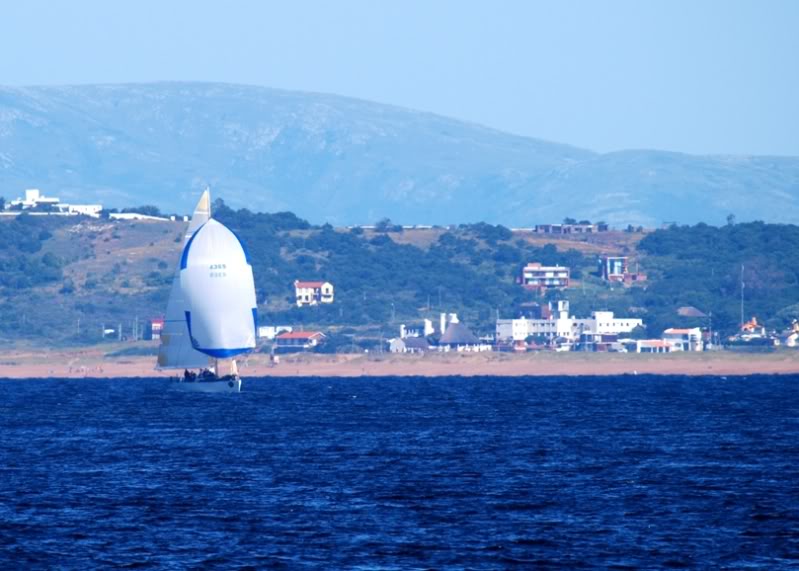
(471, 269)
(701, 266)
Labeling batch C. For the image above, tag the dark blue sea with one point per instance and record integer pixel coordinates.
(411, 473)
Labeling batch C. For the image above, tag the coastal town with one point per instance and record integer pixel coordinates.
(545, 321)
(399, 285)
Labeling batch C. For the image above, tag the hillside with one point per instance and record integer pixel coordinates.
(63, 280)
(344, 161)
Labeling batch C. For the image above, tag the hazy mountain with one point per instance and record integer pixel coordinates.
(342, 160)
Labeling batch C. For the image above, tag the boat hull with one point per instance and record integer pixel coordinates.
(218, 386)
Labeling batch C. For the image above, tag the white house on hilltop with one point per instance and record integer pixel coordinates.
(35, 200)
(312, 293)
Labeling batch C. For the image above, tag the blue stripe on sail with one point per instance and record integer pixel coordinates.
(188, 326)
(243, 247)
(255, 321)
(216, 353)
(185, 257)
(224, 353)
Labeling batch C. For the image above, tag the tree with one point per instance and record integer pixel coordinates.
(386, 225)
(730, 219)
(146, 210)
(2, 203)
(568, 220)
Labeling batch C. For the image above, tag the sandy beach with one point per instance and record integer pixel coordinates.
(93, 363)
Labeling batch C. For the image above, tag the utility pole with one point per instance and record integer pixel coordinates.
(743, 285)
(710, 326)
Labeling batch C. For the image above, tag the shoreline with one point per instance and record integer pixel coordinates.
(93, 363)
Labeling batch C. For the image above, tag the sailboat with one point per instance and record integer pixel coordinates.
(211, 315)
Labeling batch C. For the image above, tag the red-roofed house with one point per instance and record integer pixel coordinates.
(156, 326)
(312, 293)
(299, 340)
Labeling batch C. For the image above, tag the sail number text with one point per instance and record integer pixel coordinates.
(218, 270)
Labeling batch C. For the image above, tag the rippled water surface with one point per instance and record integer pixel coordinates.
(449, 473)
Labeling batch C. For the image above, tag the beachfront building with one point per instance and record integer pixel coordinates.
(790, 337)
(294, 341)
(156, 327)
(459, 338)
(423, 329)
(656, 346)
(312, 293)
(561, 325)
(687, 339)
(409, 345)
(271, 331)
(538, 277)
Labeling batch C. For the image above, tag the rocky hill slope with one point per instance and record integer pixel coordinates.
(344, 161)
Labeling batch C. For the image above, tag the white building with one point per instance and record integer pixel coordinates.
(656, 346)
(445, 320)
(687, 339)
(424, 329)
(272, 331)
(409, 345)
(134, 216)
(538, 277)
(312, 293)
(35, 200)
(565, 326)
(92, 210)
(299, 340)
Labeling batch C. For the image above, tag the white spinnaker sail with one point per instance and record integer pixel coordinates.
(176, 351)
(219, 292)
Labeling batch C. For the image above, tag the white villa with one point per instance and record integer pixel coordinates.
(561, 324)
(686, 339)
(35, 200)
(312, 293)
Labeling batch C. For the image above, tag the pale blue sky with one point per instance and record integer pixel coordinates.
(693, 76)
